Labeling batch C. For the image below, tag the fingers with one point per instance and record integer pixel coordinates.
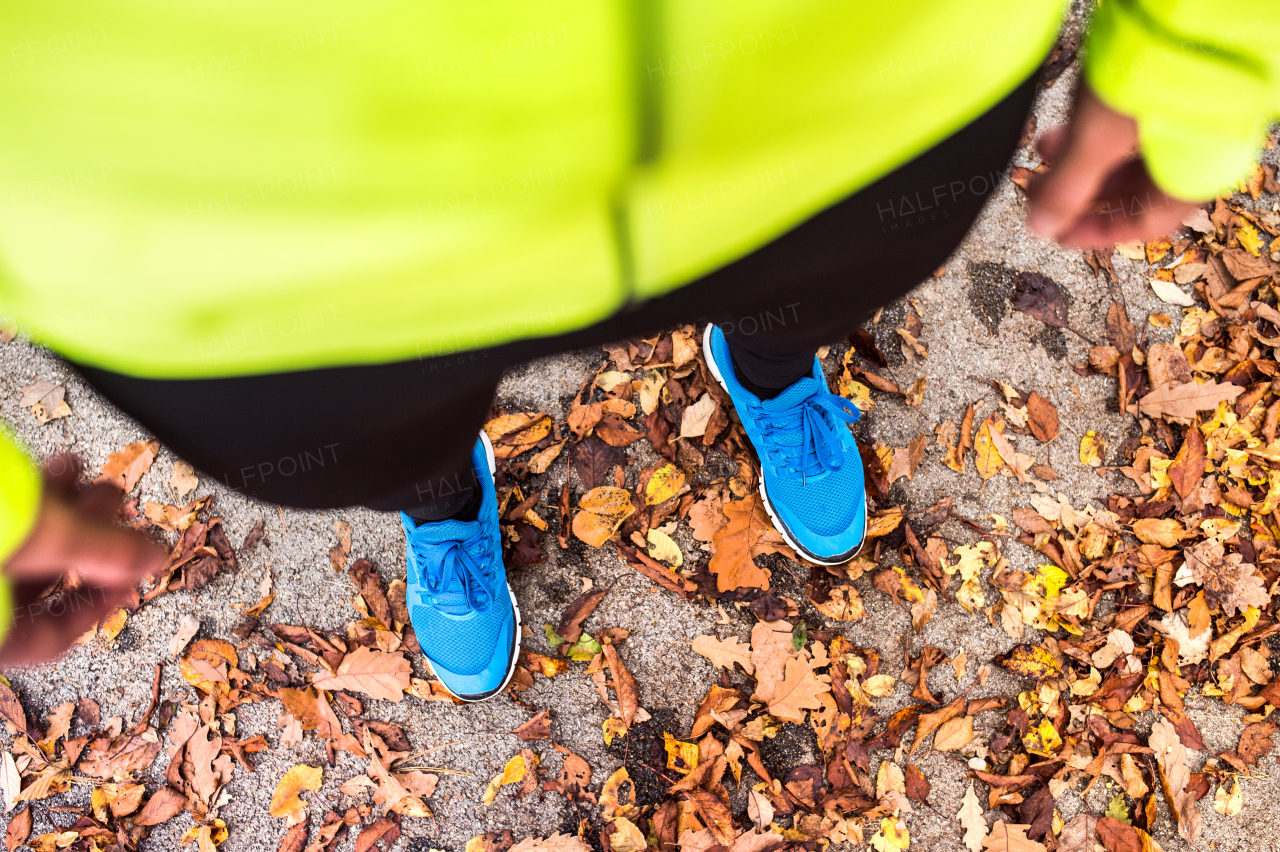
(1132, 207)
(66, 539)
(1096, 141)
(106, 555)
(100, 500)
(62, 472)
(42, 629)
(1049, 144)
(1101, 230)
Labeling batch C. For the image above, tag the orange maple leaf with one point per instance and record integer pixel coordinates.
(747, 534)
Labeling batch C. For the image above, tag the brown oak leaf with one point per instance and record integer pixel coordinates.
(1229, 582)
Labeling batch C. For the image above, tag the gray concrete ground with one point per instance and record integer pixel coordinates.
(964, 355)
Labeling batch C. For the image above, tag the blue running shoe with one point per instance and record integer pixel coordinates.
(811, 472)
(464, 613)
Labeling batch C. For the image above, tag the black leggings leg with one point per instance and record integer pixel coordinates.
(815, 284)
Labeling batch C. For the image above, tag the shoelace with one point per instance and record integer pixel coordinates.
(819, 448)
(450, 560)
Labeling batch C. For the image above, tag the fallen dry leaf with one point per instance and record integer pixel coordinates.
(378, 674)
(748, 533)
(972, 820)
(285, 801)
(125, 467)
(602, 511)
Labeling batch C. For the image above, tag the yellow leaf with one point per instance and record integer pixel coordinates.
(856, 392)
(206, 837)
(512, 773)
(546, 666)
(1091, 449)
(893, 835)
(1031, 661)
(988, 457)
(970, 558)
(609, 380)
(1228, 802)
(650, 390)
(681, 756)
(665, 483)
(911, 590)
(970, 595)
(626, 837)
(1157, 249)
(1133, 249)
(1248, 236)
(285, 802)
(663, 549)
(879, 686)
(113, 623)
(1042, 739)
(613, 727)
(883, 523)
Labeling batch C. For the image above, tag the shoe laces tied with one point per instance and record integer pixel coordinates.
(456, 576)
(814, 421)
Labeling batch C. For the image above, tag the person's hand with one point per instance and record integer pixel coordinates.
(74, 534)
(1095, 165)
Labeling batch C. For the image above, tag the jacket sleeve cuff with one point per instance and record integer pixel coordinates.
(1202, 102)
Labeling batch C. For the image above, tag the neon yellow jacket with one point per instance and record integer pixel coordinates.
(241, 187)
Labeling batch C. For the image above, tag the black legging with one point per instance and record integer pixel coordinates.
(383, 436)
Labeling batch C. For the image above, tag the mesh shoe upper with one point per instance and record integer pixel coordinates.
(811, 468)
(458, 607)
(458, 597)
(816, 471)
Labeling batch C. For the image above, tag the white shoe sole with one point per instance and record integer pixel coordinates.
(515, 653)
(764, 494)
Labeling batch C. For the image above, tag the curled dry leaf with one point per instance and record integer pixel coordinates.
(183, 479)
(46, 401)
(1175, 775)
(664, 549)
(512, 773)
(285, 801)
(188, 626)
